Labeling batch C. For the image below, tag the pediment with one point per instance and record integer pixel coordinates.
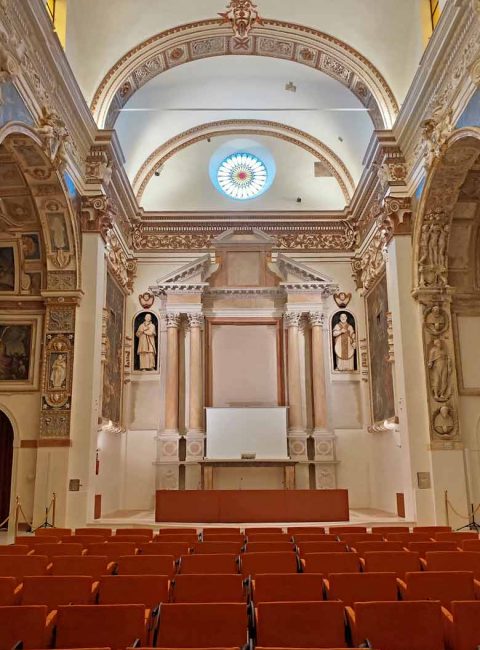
(193, 272)
(289, 270)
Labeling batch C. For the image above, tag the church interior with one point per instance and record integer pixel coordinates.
(240, 324)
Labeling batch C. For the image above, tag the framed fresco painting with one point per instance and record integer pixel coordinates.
(9, 267)
(20, 343)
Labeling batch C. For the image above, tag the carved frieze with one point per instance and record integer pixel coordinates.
(123, 268)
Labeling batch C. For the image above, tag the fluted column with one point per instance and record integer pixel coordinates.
(318, 373)
(292, 320)
(171, 393)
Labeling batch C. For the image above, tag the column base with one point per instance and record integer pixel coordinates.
(195, 439)
(297, 444)
(324, 442)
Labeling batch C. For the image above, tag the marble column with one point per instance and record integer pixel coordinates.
(195, 437)
(171, 393)
(296, 431)
(318, 373)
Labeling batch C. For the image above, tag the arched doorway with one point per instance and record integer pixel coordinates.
(6, 460)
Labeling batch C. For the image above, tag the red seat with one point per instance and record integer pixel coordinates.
(29, 625)
(7, 591)
(423, 547)
(14, 549)
(387, 530)
(83, 540)
(222, 537)
(398, 562)
(353, 538)
(220, 530)
(275, 562)
(431, 529)
(100, 532)
(397, 625)
(56, 550)
(178, 531)
(267, 547)
(149, 590)
(462, 626)
(271, 537)
(353, 588)
(188, 538)
(408, 537)
(341, 530)
(205, 564)
(113, 550)
(123, 539)
(444, 586)
(262, 530)
(306, 530)
(18, 566)
(135, 532)
(176, 549)
(211, 548)
(454, 561)
(300, 625)
(271, 587)
(113, 626)
(327, 563)
(202, 625)
(470, 545)
(304, 537)
(455, 537)
(31, 541)
(321, 547)
(158, 565)
(85, 565)
(53, 591)
(363, 547)
(53, 532)
(217, 588)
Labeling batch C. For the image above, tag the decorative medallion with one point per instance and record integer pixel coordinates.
(242, 176)
(146, 299)
(242, 15)
(342, 299)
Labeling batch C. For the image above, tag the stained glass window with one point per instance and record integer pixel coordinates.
(242, 176)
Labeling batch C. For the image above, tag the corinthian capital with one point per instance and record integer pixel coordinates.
(195, 320)
(173, 319)
(316, 319)
(293, 318)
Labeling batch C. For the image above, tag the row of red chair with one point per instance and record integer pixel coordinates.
(409, 625)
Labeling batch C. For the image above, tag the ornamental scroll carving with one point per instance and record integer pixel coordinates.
(433, 248)
(97, 215)
(243, 16)
(123, 268)
(54, 136)
(371, 264)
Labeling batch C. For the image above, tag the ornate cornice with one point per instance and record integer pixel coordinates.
(273, 38)
(294, 136)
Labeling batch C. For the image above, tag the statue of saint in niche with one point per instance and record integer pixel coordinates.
(58, 373)
(344, 342)
(146, 342)
(440, 368)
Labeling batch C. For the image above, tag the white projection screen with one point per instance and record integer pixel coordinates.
(232, 432)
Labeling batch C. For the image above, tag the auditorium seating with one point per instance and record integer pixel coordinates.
(219, 588)
(408, 537)
(202, 625)
(112, 550)
(220, 537)
(19, 566)
(321, 547)
(327, 563)
(31, 626)
(362, 547)
(274, 537)
(304, 537)
(158, 565)
(424, 547)
(387, 530)
(453, 561)
(262, 547)
(398, 562)
(164, 548)
(15, 549)
(269, 587)
(31, 541)
(431, 529)
(220, 530)
(462, 625)
(397, 625)
(177, 531)
(341, 530)
(353, 538)
(125, 539)
(232, 548)
(205, 563)
(149, 590)
(136, 532)
(53, 591)
(353, 588)
(8, 585)
(455, 537)
(470, 545)
(84, 540)
(100, 532)
(55, 550)
(85, 565)
(262, 530)
(309, 530)
(111, 626)
(444, 586)
(189, 538)
(274, 562)
(300, 625)
(53, 532)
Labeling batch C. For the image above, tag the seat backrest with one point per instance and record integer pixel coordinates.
(327, 563)
(99, 532)
(216, 588)
(306, 530)
(84, 540)
(363, 547)
(220, 530)
(398, 562)
(444, 586)
(19, 566)
(304, 537)
(386, 530)
(217, 547)
(158, 565)
(471, 545)
(408, 537)
(53, 532)
(343, 530)
(272, 587)
(136, 532)
(26, 624)
(270, 537)
(301, 624)
(274, 562)
(321, 547)
(353, 538)
(258, 530)
(466, 624)
(31, 541)
(423, 547)
(122, 539)
(210, 625)
(222, 537)
(53, 591)
(14, 549)
(110, 626)
(189, 538)
(85, 565)
(352, 588)
(177, 531)
(431, 529)
(400, 625)
(205, 563)
(164, 548)
(455, 537)
(149, 590)
(267, 547)
(7, 589)
(112, 550)
(454, 561)
(55, 550)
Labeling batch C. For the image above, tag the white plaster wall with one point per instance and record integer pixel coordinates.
(110, 480)
(354, 472)
(140, 470)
